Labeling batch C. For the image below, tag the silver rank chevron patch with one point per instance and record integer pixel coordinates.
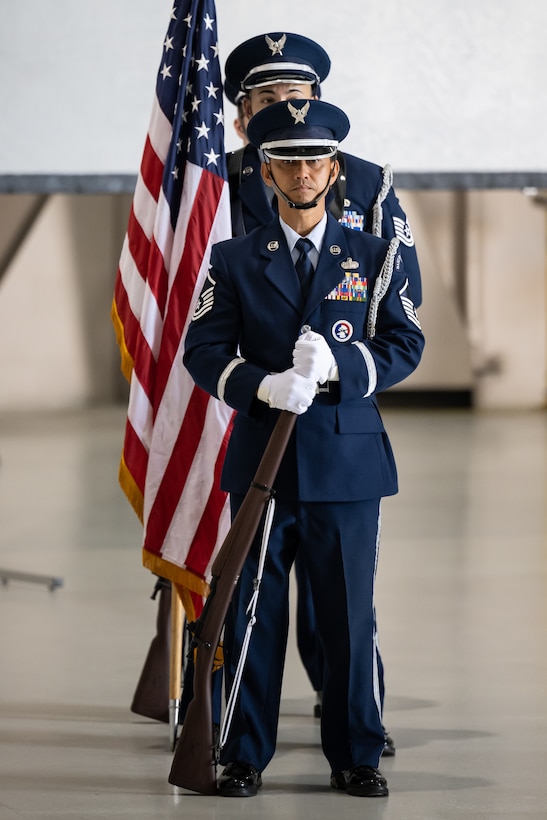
(206, 298)
(403, 232)
(408, 306)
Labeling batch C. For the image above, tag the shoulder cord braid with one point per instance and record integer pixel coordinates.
(381, 285)
(377, 212)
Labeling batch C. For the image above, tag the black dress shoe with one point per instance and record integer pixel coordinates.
(239, 780)
(361, 781)
(389, 746)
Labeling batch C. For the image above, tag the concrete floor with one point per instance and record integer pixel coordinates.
(462, 609)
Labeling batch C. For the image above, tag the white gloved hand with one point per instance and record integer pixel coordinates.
(287, 391)
(312, 357)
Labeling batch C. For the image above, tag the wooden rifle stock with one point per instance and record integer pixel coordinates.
(194, 763)
(151, 697)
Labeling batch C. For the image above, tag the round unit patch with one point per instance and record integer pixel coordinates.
(342, 330)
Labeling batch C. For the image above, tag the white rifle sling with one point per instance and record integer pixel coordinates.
(251, 612)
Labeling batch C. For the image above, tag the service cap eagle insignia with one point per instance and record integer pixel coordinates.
(276, 46)
(299, 114)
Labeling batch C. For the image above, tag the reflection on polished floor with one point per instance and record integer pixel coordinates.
(462, 608)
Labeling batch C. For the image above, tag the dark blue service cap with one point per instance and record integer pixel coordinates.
(277, 57)
(296, 129)
(234, 94)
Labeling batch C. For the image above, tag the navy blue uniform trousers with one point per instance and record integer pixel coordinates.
(307, 639)
(338, 544)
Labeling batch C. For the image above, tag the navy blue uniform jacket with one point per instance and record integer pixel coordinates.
(245, 325)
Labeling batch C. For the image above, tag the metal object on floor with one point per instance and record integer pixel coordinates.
(51, 581)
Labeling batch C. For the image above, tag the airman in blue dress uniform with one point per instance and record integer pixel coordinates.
(262, 340)
(262, 70)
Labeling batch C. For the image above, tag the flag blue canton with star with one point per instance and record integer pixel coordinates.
(189, 91)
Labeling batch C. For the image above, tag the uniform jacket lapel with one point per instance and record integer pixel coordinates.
(278, 268)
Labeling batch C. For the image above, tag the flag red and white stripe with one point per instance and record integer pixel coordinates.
(176, 434)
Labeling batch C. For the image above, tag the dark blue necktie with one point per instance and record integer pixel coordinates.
(304, 267)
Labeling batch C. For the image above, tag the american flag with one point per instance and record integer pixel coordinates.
(176, 435)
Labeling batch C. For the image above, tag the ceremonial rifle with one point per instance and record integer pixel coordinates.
(194, 762)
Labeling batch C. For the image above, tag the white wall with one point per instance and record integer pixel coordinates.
(428, 84)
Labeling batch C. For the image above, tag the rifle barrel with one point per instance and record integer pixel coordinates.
(194, 764)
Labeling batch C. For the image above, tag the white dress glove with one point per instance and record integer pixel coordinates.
(287, 391)
(313, 358)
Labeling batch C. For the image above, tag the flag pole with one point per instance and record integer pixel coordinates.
(175, 436)
(175, 665)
